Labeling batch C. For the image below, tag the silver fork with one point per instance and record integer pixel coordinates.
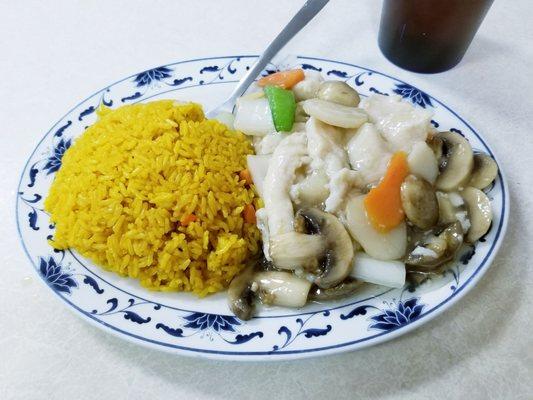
(302, 17)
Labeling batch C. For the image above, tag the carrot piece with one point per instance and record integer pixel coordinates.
(383, 203)
(187, 219)
(249, 214)
(245, 175)
(283, 79)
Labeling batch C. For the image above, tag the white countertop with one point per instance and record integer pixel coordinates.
(52, 54)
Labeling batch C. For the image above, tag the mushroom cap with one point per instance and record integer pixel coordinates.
(436, 144)
(282, 288)
(295, 250)
(436, 248)
(419, 202)
(479, 211)
(457, 162)
(241, 295)
(346, 288)
(448, 210)
(484, 171)
(339, 248)
(338, 92)
(335, 114)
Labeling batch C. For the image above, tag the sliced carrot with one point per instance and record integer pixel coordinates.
(187, 219)
(245, 175)
(249, 214)
(383, 203)
(283, 79)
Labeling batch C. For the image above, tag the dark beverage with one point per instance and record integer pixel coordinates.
(429, 35)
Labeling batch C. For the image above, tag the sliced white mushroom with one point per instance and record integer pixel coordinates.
(344, 289)
(339, 248)
(270, 286)
(335, 114)
(382, 246)
(435, 143)
(452, 208)
(479, 211)
(294, 250)
(484, 172)
(253, 116)
(436, 248)
(419, 202)
(457, 163)
(258, 167)
(338, 92)
(379, 272)
(241, 295)
(422, 162)
(447, 210)
(282, 288)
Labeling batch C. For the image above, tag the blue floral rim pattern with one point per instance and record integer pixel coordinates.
(390, 319)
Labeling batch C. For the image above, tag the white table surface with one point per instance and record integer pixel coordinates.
(54, 53)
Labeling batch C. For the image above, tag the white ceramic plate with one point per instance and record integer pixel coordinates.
(179, 322)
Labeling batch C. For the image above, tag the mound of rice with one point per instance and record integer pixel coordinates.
(129, 183)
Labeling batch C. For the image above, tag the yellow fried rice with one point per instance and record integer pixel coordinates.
(152, 191)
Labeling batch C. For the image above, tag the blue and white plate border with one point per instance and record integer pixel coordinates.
(401, 317)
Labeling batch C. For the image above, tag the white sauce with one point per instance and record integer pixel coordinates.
(325, 164)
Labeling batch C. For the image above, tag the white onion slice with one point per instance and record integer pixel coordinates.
(379, 272)
(253, 116)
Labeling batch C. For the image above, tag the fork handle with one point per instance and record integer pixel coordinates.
(301, 19)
